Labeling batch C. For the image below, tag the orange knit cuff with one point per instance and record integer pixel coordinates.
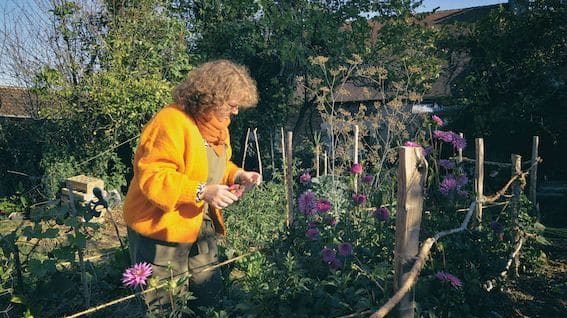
(188, 193)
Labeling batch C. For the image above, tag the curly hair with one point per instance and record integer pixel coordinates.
(213, 84)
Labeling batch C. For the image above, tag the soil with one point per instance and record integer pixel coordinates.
(544, 293)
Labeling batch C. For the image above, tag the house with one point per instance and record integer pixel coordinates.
(18, 103)
(356, 93)
(441, 88)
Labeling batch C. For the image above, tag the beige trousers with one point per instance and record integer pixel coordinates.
(183, 259)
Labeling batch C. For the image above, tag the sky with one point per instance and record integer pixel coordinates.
(9, 12)
(429, 5)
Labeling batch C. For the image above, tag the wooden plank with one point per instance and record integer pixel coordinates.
(479, 180)
(411, 182)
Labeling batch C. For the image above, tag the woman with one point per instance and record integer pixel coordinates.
(182, 174)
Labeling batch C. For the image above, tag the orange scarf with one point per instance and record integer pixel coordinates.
(214, 131)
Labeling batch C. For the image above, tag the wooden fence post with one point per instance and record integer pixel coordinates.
(289, 177)
(533, 173)
(411, 182)
(479, 180)
(516, 191)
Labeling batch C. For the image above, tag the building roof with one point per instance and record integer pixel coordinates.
(17, 102)
(442, 86)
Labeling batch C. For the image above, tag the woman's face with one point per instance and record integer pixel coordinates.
(227, 109)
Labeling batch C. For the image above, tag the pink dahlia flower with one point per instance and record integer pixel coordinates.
(137, 275)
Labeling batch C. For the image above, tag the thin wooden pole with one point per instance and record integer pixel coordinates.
(245, 148)
(258, 151)
(355, 155)
(460, 151)
(479, 180)
(325, 162)
(317, 155)
(289, 176)
(411, 180)
(516, 169)
(533, 173)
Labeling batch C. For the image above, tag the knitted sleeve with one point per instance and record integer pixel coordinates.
(159, 160)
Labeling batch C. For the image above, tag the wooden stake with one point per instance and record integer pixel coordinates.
(245, 148)
(289, 176)
(533, 173)
(411, 181)
(325, 162)
(460, 151)
(355, 155)
(317, 155)
(258, 151)
(479, 180)
(516, 169)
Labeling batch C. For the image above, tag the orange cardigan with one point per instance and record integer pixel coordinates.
(170, 163)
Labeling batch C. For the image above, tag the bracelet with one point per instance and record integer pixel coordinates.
(200, 191)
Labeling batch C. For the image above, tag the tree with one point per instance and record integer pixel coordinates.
(516, 84)
(275, 39)
(113, 67)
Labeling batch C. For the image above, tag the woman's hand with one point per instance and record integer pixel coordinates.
(218, 196)
(249, 179)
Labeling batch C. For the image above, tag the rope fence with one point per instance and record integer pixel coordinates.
(123, 299)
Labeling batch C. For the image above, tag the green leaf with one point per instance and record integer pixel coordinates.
(17, 299)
